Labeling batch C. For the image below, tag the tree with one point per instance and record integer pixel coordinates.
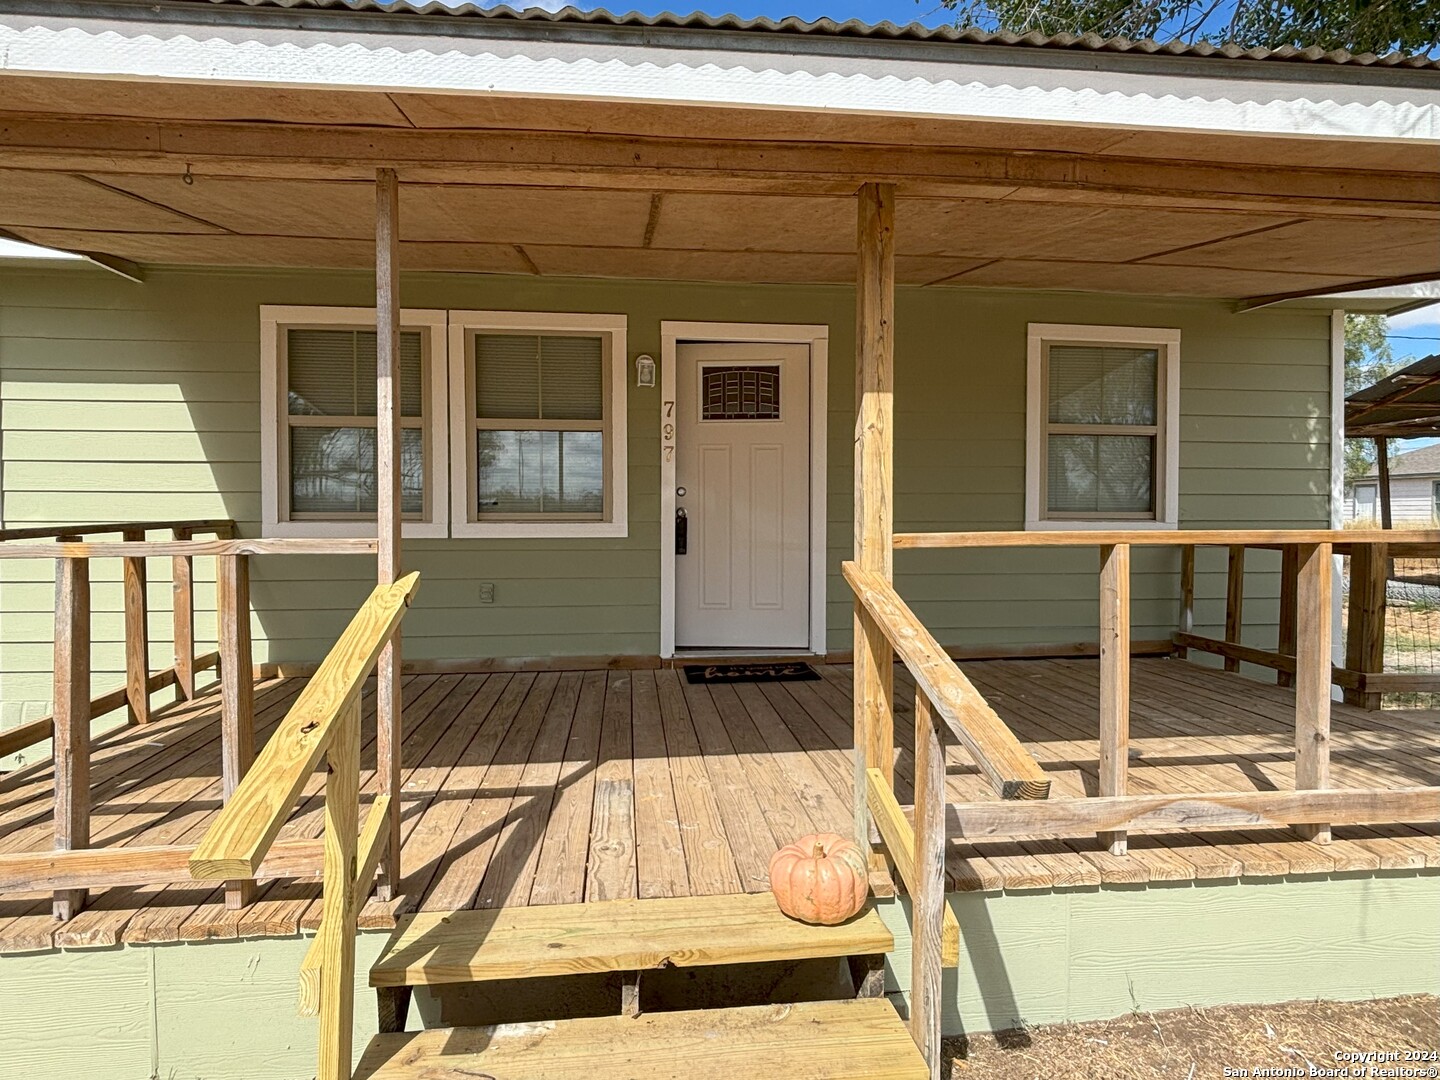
(1368, 359)
(1377, 26)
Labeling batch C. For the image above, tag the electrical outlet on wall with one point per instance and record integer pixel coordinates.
(487, 592)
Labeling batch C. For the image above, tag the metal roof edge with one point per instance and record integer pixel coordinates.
(790, 36)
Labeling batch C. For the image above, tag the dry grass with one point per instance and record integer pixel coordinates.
(1198, 1044)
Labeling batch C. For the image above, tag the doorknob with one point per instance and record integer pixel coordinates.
(682, 530)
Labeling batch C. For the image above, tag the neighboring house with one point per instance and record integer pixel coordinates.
(1090, 296)
(1414, 490)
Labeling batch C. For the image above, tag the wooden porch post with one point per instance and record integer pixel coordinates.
(1382, 463)
(237, 690)
(1234, 601)
(1114, 681)
(928, 893)
(182, 593)
(1289, 580)
(389, 730)
(1312, 678)
(71, 719)
(874, 516)
(1365, 632)
(137, 634)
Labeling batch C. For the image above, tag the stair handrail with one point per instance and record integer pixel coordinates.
(324, 723)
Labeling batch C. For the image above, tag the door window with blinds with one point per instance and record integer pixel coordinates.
(537, 424)
(320, 423)
(1102, 427)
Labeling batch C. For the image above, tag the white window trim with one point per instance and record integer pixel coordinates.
(272, 318)
(1167, 442)
(463, 323)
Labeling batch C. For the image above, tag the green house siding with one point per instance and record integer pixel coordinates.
(123, 401)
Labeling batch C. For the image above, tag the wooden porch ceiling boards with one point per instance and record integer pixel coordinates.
(284, 178)
(566, 786)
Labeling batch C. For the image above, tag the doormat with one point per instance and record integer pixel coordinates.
(796, 671)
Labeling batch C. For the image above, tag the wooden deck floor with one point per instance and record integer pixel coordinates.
(561, 787)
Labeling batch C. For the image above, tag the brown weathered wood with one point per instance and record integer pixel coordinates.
(1187, 593)
(1312, 678)
(388, 719)
(140, 549)
(1365, 630)
(40, 532)
(182, 600)
(337, 980)
(237, 842)
(1010, 768)
(1382, 465)
(641, 162)
(1419, 541)
(630, 993)
(874, 706)
(392, 1006)
(72, 719)
(1192, 810)
(237, 690)
(1114, 680)
(1234, 600)
(1289, 579)
(164, 864)
(867, 974)
(927, 886)
(137, 635)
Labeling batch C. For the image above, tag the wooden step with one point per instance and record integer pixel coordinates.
(862, 1039)
(612, 935)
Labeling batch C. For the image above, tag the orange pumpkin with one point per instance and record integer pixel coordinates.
(822, 878)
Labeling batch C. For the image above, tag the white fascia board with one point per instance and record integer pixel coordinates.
(619, 72)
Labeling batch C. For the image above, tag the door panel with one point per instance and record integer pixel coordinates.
(743, 461)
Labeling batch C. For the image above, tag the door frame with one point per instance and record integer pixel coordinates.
(672, 335)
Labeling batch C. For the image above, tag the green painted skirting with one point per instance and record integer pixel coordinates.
(225, 1010)
(1089, 954)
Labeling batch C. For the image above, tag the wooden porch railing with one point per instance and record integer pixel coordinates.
(75, 867)
(947, 701)
(323, 724)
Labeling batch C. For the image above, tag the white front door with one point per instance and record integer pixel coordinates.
(743, 495)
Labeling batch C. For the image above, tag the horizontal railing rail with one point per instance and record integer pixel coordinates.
(72, 549)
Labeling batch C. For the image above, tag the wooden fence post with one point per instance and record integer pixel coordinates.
(337, 967)
(927, 898)
(137, 635)
(1114, 680)
(1289, 576)
(1234, 600)
(1312, 677)
(874, 484)
(237, 689)
(182, 596)
(71, 719)
(1187, 594)
(389, 724)
(1365, 632)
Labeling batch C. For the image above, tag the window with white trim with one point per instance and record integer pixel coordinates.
(318, 415)
(537, 424)
(1103, 427)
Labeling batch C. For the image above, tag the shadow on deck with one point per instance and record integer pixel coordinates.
(534, 788)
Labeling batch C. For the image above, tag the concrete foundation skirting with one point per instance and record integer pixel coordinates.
(1095, 953)
(225, 1010)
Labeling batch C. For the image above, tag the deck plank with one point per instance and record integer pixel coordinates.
(559, 788)
(836, 1040)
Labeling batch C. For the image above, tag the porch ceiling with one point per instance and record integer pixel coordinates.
(281, 178)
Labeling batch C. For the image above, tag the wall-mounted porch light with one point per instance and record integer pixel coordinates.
(645, 370)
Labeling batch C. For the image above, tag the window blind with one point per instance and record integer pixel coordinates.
(1102, 384)
(538, 377)
(332, 372)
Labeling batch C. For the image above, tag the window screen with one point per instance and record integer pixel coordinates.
(540, 426)
(1102, 430)
(330, 401)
